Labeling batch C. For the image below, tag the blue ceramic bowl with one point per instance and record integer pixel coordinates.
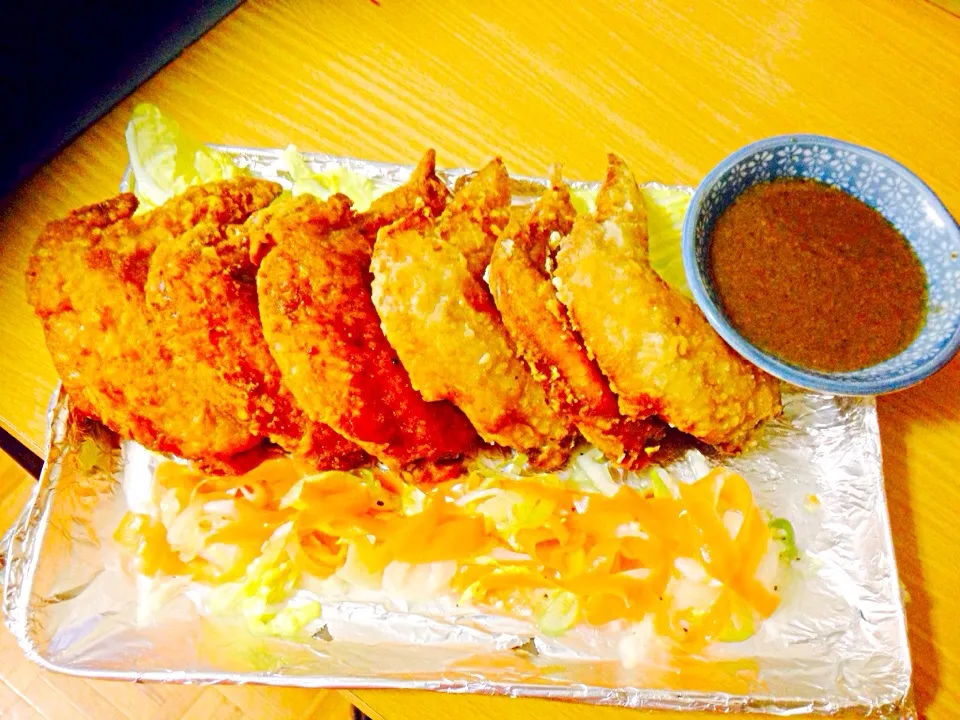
(880, 182)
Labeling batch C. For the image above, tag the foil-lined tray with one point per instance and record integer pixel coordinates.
(837, 643)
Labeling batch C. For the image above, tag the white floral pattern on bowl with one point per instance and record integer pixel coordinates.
(880, 182)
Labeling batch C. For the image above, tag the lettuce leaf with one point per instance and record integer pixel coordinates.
(165, 161)
(267, 584)
(358, 188)
(666, 208)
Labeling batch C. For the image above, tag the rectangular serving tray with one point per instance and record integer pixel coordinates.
(838, 641)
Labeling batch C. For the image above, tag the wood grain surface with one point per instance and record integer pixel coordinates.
(673, 86)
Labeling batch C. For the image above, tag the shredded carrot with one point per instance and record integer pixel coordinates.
(516, 542)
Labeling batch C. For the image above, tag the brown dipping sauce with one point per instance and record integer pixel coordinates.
(816, 277)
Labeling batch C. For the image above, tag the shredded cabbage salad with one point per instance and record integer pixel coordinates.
(695, 558)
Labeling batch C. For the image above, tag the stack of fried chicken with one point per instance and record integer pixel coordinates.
(231, 321)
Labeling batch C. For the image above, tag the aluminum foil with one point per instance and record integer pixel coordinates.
(837, 643)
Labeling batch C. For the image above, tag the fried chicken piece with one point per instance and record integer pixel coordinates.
(440, 317)
(423, 189)
(519, 279)
(477, 215)
(201, 294)
(655, 346)
(85, 279)
(323, 330)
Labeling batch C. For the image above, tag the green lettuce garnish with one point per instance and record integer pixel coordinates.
(666, 208)
(358, 188)
(260, 595)
(166, 161)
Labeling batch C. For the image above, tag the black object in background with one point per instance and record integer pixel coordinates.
(63, 65)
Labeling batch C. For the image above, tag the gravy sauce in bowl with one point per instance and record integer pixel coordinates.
(816, 277)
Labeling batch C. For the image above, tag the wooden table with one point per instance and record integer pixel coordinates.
(673, 86)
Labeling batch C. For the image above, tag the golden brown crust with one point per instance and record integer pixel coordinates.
(440, 317)
(196, 336)
(86, 281)
(423, 191)
(324, 332)
(477, 215)
(655, 346)
(202, 297)
(519, 280)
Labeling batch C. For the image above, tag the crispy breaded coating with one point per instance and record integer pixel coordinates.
(655, 346)
(324, 332)
(439, 315)
(519, 278)
(422, 190)
(477, 215)
(85, 279)
(201, 294)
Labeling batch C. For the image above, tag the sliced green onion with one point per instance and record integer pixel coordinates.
(661, 483)
(782, 531)
(560, 614)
